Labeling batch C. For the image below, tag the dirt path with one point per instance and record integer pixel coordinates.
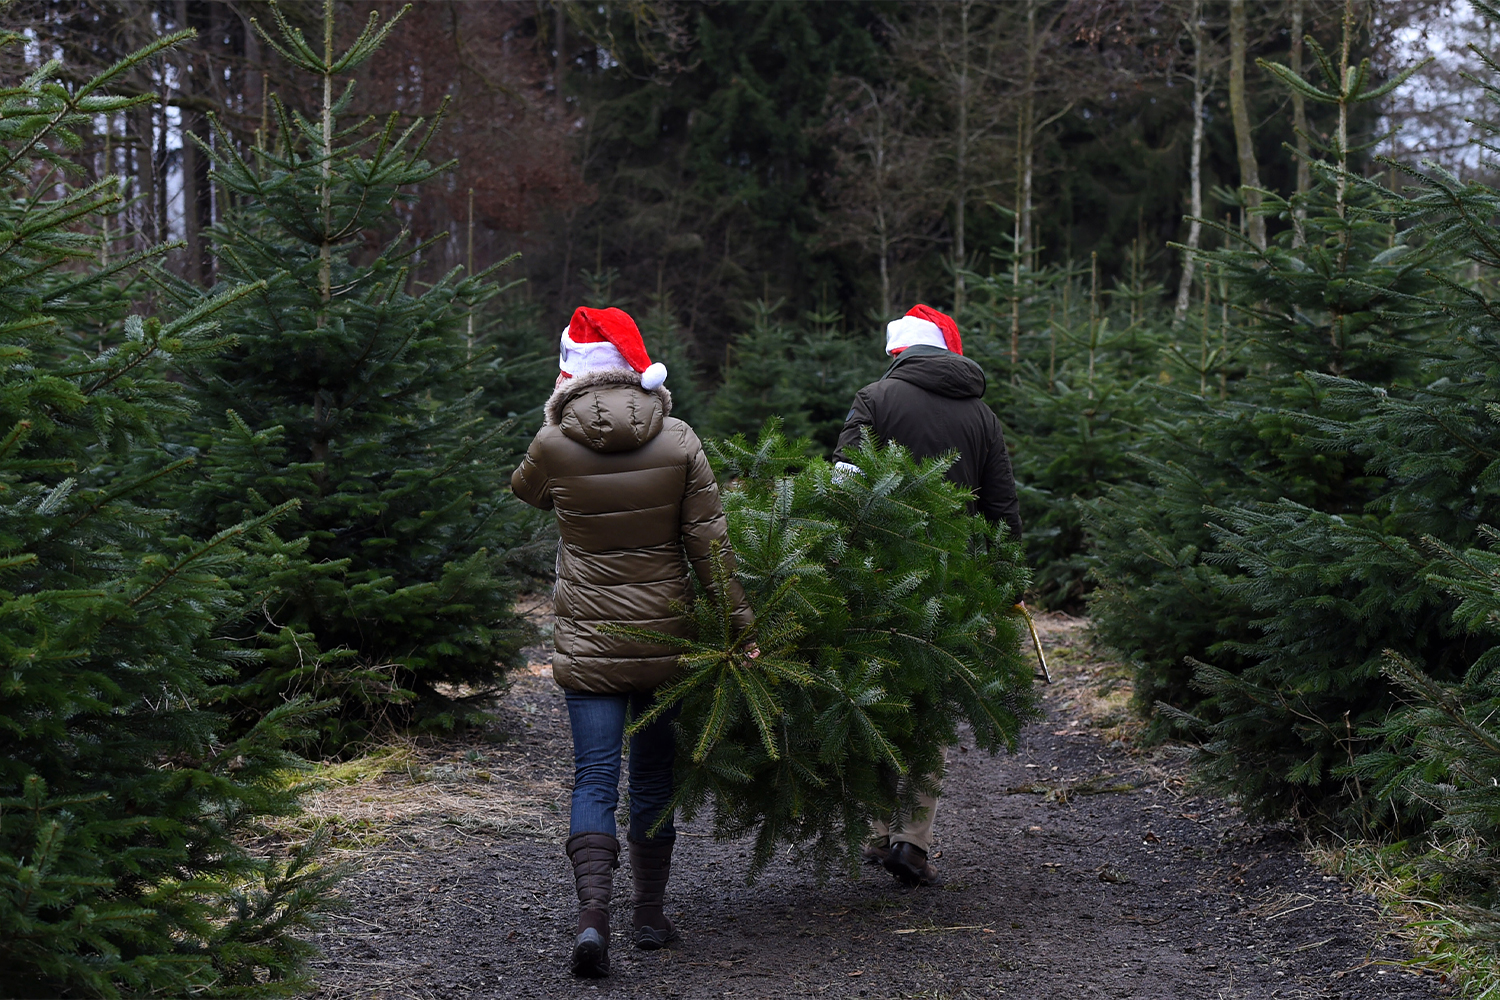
(1074, 868)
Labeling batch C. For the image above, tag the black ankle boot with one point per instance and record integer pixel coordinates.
(595, 857)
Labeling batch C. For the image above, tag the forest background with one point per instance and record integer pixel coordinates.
(1226, 264)
(773, 182)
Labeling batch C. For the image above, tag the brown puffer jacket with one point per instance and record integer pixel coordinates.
(636, 504)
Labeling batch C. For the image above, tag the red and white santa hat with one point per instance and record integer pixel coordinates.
(605, 340)
(922, 325)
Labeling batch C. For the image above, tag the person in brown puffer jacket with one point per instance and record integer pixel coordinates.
(638, 508)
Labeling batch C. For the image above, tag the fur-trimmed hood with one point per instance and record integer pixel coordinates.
(608, 410)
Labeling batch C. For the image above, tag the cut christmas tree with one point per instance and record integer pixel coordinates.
(885, 616)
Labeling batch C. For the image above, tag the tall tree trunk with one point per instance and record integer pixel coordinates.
(197, 199)
(1343, 133)
(882, 169)
(1299, 124)
(1336, 338)
(1016, 255)
(1239, 110)
(1025, 158)
(960, 156)
(560, 64)
(1195, 173)
(145, 171)
(325, 248)
(159, 166)
(1028, 104)
(190, 228)
(107, 168)
(885, 270)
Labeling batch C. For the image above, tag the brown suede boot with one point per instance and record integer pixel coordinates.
(650, 865)
(876, 851)
(909, 863)
(595, 857)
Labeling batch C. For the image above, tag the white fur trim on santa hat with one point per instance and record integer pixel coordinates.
(654, 375)
(577, 359)
(909, 331)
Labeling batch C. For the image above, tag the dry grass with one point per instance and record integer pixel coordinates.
(1432, 930)
(513, 779)
(426, 792)
(1093, 691)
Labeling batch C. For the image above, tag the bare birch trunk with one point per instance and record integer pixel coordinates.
(1299, 123)
(325, 250)
(961, 152)
(1195, 175)
(1025, 157)
(321, 414)
(1240, 111)
(1336, 337)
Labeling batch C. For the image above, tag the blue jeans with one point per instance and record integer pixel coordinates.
(598, 722)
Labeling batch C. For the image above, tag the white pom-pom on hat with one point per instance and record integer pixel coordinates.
(654, 375)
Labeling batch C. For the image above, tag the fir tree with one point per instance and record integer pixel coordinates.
(1072, 403)
(1441, 752)
(884, 615)
(353, 389)
(804, 378)
(1229, 576)
(122, 807)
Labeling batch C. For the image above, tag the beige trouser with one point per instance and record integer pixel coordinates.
(909, 829)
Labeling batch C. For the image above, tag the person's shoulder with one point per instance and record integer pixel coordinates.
(551, 442)
(550, 434)
(680, 432)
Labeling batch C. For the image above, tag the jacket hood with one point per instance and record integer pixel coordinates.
(939, 371)
(608, 410)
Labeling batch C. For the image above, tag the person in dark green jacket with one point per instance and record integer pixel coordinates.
(931, 401)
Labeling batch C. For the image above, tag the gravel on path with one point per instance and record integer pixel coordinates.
(1073, 868)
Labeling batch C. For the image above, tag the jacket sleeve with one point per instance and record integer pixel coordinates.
(997, 485)
(530, 481)
(703, 523)
(860, 416)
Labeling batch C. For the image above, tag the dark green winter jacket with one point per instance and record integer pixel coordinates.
(931, 401)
